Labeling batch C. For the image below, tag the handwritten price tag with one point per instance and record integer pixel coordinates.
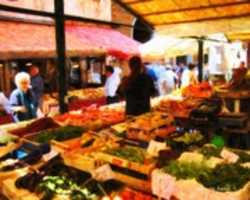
(50, 155)
(154, 147)
(163, 185)
(229, 156)
(103, 173)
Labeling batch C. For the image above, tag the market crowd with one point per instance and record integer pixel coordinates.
(143, 81)
(146, 80)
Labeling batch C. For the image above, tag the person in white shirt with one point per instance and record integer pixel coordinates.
(117, 71)
(111, 85)
(189, 76)
(166, 81)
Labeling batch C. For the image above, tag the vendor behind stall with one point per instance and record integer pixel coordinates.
(189, 76)
(111, 85)
(137, 88)
(238, 75)
(22, 100)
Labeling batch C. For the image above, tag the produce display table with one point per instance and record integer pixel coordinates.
(235, 96)
(82, 97)
(80, 104)
(105, 145)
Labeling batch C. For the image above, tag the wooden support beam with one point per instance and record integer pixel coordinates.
(197, 8)
(61, 53)
(200, 60)
(203, 19)
(138, 1)
(51, 15)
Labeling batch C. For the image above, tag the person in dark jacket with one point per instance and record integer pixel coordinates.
(22, 100)
(37, 85)
(138, 87)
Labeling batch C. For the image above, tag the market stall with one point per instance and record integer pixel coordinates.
(151, 153)
(102, 154)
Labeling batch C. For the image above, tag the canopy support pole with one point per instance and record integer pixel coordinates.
(200, 59)
(61, 55)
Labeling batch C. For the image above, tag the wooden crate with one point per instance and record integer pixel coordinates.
(12, 174)
(81, 162)
(8, 148)
(12, 192)
(135, 183)
(120, 162)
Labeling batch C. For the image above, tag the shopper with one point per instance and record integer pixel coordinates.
(180, 68)
(22, 100)
(51, 78)
(75, 76)
(137, 88)
(189, 76)
(166, 81)
(37, 85)
(111, 85)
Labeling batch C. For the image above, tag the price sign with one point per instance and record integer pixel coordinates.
(163, 185)
(154, 147)
(103, 173)
(229, 156)
(50, 155)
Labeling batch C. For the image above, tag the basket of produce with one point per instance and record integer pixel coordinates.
(148, 126)
(56, 181)
(7, 143)
(180, 109)
(210, 173)
(228, 155)
(132, 158)
(59, 134)
(91, 119)
(21, 159)
(79, 152)
(223, 182)
(35, 126)
(188, 139)
(206, 112)
(201, 90)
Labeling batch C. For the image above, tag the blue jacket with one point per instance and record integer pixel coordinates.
(18, 98)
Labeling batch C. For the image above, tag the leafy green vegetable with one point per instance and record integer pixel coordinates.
(185, 141)
(189, 138)
(213, 151)
(230, 177)
(224, 177)
(59, 134)
(186, 170)
(55, 185)
(132, 154)
(210, 151)
(243, 156)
